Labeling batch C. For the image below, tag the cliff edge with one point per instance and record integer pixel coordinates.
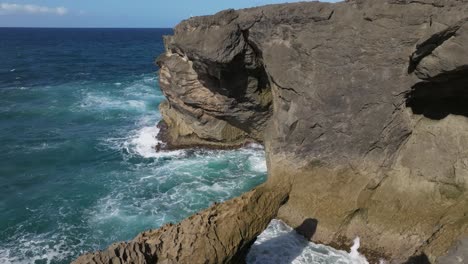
(361, 105)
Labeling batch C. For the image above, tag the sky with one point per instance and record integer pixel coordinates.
(114, 13)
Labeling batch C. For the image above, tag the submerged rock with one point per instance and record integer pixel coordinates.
(362, 107)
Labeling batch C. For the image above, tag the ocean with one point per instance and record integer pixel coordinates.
(78, 171)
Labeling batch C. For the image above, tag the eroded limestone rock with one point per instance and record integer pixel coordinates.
(222, 233)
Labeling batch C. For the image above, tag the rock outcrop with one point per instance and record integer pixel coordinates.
(362, 106)
(220, 99)
(222, 233)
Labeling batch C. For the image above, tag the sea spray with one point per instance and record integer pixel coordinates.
(354, 254)
(143, 142)
(279, 243)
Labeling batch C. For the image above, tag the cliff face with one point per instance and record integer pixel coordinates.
(217, 89)
(362, 107)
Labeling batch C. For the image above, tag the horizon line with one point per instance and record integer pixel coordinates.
(89, 27)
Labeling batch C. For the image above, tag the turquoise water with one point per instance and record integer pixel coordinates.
(78, 171)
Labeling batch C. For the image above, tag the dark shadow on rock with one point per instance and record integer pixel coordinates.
(438, 98)
(419, 259)
(287, 247)
(307, 228)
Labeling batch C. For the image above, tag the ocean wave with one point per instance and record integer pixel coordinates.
(151, 79)
(43, 146)
(143, 142)
(44, 248)
(137, 94)
(257, 163)
(179, 184)
(140, 89)
(93, 101)
(279, 243)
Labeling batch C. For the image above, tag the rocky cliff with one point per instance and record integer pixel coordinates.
(362, 107)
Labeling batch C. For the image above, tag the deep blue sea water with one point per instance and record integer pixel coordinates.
(78, 109)
(78, 171)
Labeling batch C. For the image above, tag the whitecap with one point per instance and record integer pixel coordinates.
(83, 73)
(12, 70)
(45, 248)
(141, 142)
(94, 101)
(42, 146)
(257, 163)
(145, 140)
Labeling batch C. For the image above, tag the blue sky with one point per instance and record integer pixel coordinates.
(113, 13)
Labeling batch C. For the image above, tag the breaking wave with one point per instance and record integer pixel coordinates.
(279, 243)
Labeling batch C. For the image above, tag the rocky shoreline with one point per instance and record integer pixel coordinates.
(361, 106)
(222, 233)
(167, 144)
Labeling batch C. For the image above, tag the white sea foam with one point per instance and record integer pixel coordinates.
(43, 146)
(354, 254)
(45, 248)
(107, 207)
(188, 181)
(121, 95)
(142, 90)
(143, 142)
(258, 163)
(93, 101)
(4, 256)
(12, 70)
(150, 79)
(279, 243)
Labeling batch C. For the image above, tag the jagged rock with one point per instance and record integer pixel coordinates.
(222, 233)
(362, 107)
(221, 99)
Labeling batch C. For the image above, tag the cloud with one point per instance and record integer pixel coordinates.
(8, 8)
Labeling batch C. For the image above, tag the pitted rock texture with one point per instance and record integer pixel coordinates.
(222, 233)
(362, 107)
